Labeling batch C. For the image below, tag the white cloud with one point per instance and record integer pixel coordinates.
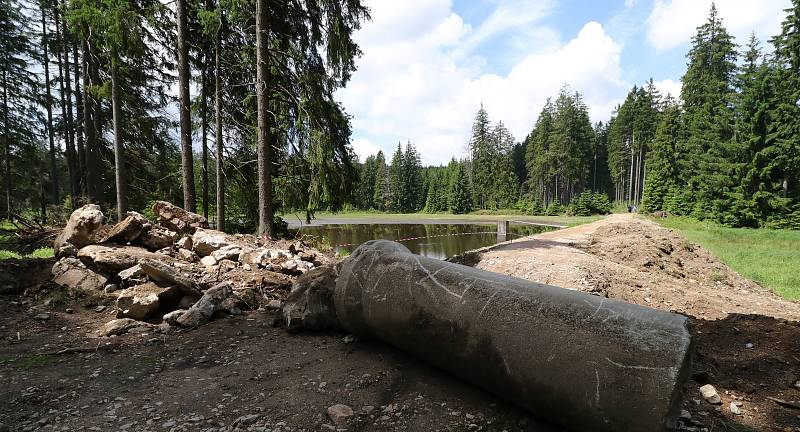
(364, 147)
(423, 85)
(673, 22)
(669, 86)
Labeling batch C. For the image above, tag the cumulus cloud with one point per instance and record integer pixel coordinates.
(670, 87)
(672, 23)
(425, 83)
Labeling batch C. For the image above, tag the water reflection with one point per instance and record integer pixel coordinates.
(433, 240)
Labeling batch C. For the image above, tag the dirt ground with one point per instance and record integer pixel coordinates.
(747, 338)
(243, 373)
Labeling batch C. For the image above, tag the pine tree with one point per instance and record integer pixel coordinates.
(460, 191)
(20, 117)
(711, 171)
(483, 155)
(662, 163)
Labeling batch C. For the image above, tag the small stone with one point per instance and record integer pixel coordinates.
(42, 316)
(245, 420)
(274, 304)
(685, 415)
(110, 288)
(349, 339)
(339, 414)
(367, 409)
(208, 261)
(100, 308)
(69, 310)
(797, 384)
(735, 409)
(172, 317)
(185, 243)
(748, 345)
(710, 394)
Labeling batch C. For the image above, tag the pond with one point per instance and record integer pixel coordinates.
(438, 241)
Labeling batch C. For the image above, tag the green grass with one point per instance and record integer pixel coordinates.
(38, 253)
(766, 256)
(36, 360)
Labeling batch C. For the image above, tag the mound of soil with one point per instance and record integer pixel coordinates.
(648, 247)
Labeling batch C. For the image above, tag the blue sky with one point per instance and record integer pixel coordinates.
(429, 64)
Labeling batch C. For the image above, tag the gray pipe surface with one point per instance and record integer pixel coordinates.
(583, 362)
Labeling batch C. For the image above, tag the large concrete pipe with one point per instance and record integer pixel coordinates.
(583, 362)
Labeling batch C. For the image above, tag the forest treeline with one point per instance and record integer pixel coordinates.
(728, 150)
(89, 89)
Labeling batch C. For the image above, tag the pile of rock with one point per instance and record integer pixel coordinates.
(176, 271)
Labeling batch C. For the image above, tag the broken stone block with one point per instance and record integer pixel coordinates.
(206, 241)
(205, 308)
(339, 414)
(113, 258)
(81, 227)
(310, 304)
(132, 273)
(208, 261)
(159, 271)
(157, 238)
(143, 301)
(172, 317)
(127, 230)
(178, 219)
(187, 255)
(73, 274)
(185, 243)
(227, 252)
(118, 326)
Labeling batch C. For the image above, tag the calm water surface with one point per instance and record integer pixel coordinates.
(433, 240)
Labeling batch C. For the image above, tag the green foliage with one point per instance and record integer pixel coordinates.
(554, 209)
(589, 203)
(460, 191)
(560, 150)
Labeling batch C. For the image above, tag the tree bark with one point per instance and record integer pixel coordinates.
(66, 116)
(89, 116)
(7, 143)
(187, 158)
(264, 147)
(49, 108)
(218, 129)
(81, 159)
(119, 158)
(204, 128)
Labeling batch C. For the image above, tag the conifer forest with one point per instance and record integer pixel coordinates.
(228, 107)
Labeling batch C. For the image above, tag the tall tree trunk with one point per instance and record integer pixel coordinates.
(66, 117)
(264, 147)
(7, 143)
(89, 116)
(79, 121)
(218, 129)
(630, 171)
(48, 106)
(204, 128)
(187, 158)
(119, 157)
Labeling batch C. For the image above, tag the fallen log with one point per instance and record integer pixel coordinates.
(580, 361)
